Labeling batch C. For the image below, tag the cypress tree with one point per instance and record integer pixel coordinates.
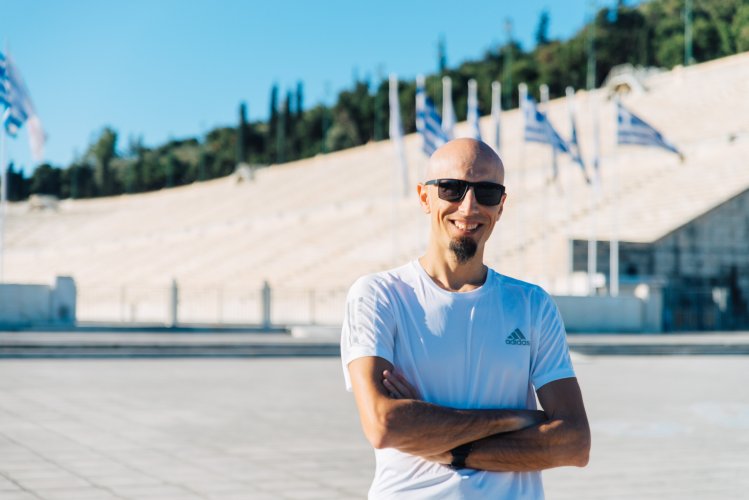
(273, 124)
(242, 134)
(281, 134)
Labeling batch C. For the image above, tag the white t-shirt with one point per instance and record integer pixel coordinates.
(487, 348)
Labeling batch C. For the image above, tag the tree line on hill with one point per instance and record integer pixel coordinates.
(649, 34)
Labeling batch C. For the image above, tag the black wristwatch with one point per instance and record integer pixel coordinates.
(460, 454)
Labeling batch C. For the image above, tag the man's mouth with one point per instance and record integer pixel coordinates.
(466, 227)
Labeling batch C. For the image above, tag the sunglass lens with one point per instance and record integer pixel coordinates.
(452, 190)
(488, 194)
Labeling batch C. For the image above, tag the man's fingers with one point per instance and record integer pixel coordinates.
(403, 387)
(393, 385)
(411, 388)
(392, 389)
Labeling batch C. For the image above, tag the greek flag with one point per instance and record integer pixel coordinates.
(575, 150)
(473, 110)
(3, 82)
(20, 109)
(538, 128)
(631, 129)
(428, 121)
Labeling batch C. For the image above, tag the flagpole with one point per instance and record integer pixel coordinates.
(396, 138)
(544, 89)
(448, 112)
(473, 109)
(396, 129)
(3, 195)
(567, 192)
(4, 187)
(496, 111)
(523, 94)
(614, 242)
(594, 200)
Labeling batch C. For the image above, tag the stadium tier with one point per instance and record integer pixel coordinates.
(318, 224)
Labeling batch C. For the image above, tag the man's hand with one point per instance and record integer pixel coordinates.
(565, 433)
(399, 387)
(563, 440)
(392, 417)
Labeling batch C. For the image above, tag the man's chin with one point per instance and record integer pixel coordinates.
(463, 248)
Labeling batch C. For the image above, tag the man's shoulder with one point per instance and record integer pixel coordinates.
(519, 288)
(381, 281)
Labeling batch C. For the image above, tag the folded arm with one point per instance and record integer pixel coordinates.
(418, 427)
(562, 440)
(562, 437)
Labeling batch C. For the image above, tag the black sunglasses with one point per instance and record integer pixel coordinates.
(453, 190)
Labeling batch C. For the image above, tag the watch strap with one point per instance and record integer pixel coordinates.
(460, 454)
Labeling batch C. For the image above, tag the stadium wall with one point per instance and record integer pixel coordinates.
(25, 305)
(606, 314)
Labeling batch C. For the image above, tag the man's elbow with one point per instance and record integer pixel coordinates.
(580, 448)
(377, 437)
(380, 431)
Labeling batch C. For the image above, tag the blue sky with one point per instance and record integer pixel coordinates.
(170, 69)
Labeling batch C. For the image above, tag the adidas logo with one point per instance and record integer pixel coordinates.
(516, 338)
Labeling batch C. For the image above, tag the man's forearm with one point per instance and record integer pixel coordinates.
(550, 444)
(393, 416)
(426, 429)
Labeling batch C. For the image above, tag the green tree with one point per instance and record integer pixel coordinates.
(273, 125)
(135, 175)
(242, 135)
(102, 152)
(46, 179)
(542, 30)
(740, 28)
(344, 132)
(18, 184)
(441, 55)
(80, 181)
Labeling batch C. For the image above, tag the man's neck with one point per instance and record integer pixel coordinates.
(448, 273)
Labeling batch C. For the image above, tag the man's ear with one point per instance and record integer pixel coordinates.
(423, 197)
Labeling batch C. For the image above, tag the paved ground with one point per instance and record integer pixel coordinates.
(663, 428)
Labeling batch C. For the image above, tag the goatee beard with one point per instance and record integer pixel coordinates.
(463, 248)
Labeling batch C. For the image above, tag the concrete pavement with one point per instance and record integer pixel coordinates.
(664, 427)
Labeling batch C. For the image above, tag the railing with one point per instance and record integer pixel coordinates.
(222, 305)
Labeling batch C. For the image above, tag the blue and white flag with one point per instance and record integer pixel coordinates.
(448, 112)
(473, 110)
(538, 128)
(574, 145)
(428, 121)
(3, 82)
(631, 129)
(20, 109)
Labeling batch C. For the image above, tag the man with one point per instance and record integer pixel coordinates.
(443, 355)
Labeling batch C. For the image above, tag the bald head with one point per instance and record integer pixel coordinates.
(466, 158)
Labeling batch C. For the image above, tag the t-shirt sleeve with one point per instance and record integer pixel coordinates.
(551, 360)
(368, 324)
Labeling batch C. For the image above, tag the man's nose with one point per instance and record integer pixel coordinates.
(469, 204)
